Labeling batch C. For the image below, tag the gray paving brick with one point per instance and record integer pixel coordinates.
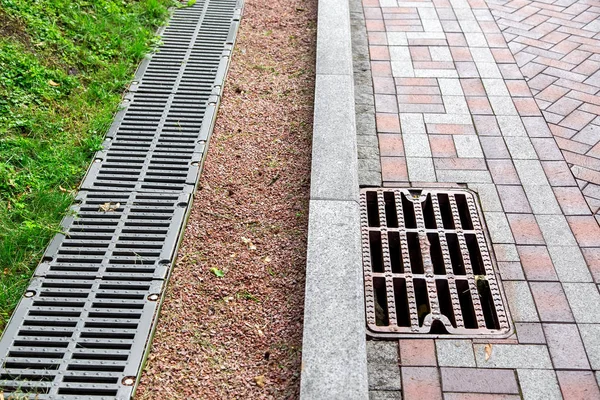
(511, 126)
(530, 172)
(468, 146)
(455, 353)
(584, 300)
(488, 196)
(412, 123)
(463, 176)
(525, 356)
(477, 380)
(511, 271)
(501, 105)
(536, 127)
(520, 148)
(569, 264)
(520, 301)
(420, 169)
(382, 365)
(416, 145)
(498, 227)
(506, 252)
(556, 230)
(539, 384)
(590, 334)
(530, 333)
(385, 395)
(541, 199)
(565, 346)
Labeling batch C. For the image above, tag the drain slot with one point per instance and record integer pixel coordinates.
(428, 269)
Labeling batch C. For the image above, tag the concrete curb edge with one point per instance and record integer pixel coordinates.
(334, 363)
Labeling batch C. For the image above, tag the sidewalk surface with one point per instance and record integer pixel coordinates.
(501, 96)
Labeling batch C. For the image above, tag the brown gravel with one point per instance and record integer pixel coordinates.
(239, 336)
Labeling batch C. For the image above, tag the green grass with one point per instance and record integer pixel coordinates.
(64, 65)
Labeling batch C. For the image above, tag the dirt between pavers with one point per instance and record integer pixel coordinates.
(239, 336)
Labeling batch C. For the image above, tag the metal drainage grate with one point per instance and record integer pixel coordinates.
(84, 325)
(157, 141)
(427, 266)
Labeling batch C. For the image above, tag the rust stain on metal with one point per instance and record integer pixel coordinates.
(427, 265)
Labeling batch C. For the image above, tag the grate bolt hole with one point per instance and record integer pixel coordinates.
(47, 259)
(182, 204)
(195, 163)
(30, 293)
(153, 297)
(98, 160)
(128, 381)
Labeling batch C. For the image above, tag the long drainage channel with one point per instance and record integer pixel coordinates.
(85, 323)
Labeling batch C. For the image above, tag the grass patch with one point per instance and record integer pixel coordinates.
(63, 67)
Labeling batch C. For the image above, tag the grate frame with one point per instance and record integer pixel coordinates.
(409, 263)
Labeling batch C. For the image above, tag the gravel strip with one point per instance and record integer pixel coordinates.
(239, 335)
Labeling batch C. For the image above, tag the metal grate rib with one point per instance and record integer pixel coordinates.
(427, 266)
(83, 326)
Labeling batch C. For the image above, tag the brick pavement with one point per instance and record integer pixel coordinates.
(466, 93)
(557, 48)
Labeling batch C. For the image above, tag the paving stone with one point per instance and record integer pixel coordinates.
(569, 264)
(558, 173)
(556, 230)
(455, 353)
(416, 146)
(539, 384)
(525, 229)
(488, 196)
(382, 365)
(494, 147)
(510, 271)
(468, 146)
(421, 383)
(524, 356)
(412, 123)
(503, 172)
(586, 230)
(393, 169)
(584, 301)
(417, 353)
(542, 200)
(506, 252)
(458, 176)
(537, 263)
(520, 301)
(571, 201)
(385, 395)
(590, 334)
(530, 172)
(578, 385)
(511, 126)
(476, 380)
(498, 227)
(592, 258)
(480, 396)
(420, 169)
(513, 199)
(551, 302)
(566, 347)
(520, 148)
(530, 333)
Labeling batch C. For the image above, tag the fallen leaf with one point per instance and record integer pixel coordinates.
(260, 381)
(248, 242)
(267, 259)
(107, 207)
(488, 351)
(52, 83)
(218, 273)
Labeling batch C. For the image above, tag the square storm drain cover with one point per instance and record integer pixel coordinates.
(427, 266)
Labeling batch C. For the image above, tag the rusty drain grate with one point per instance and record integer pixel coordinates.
(427, 266)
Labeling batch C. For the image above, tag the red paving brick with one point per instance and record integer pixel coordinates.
(536, 263)
(525, 229)
(421, 383)
(578, 385)
(551, 302)
(417, 353)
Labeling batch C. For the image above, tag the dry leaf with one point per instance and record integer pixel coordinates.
(107, 207)
(267, 259)
(260, 380)
(52, 83)
(488, 351)
(248, 242)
